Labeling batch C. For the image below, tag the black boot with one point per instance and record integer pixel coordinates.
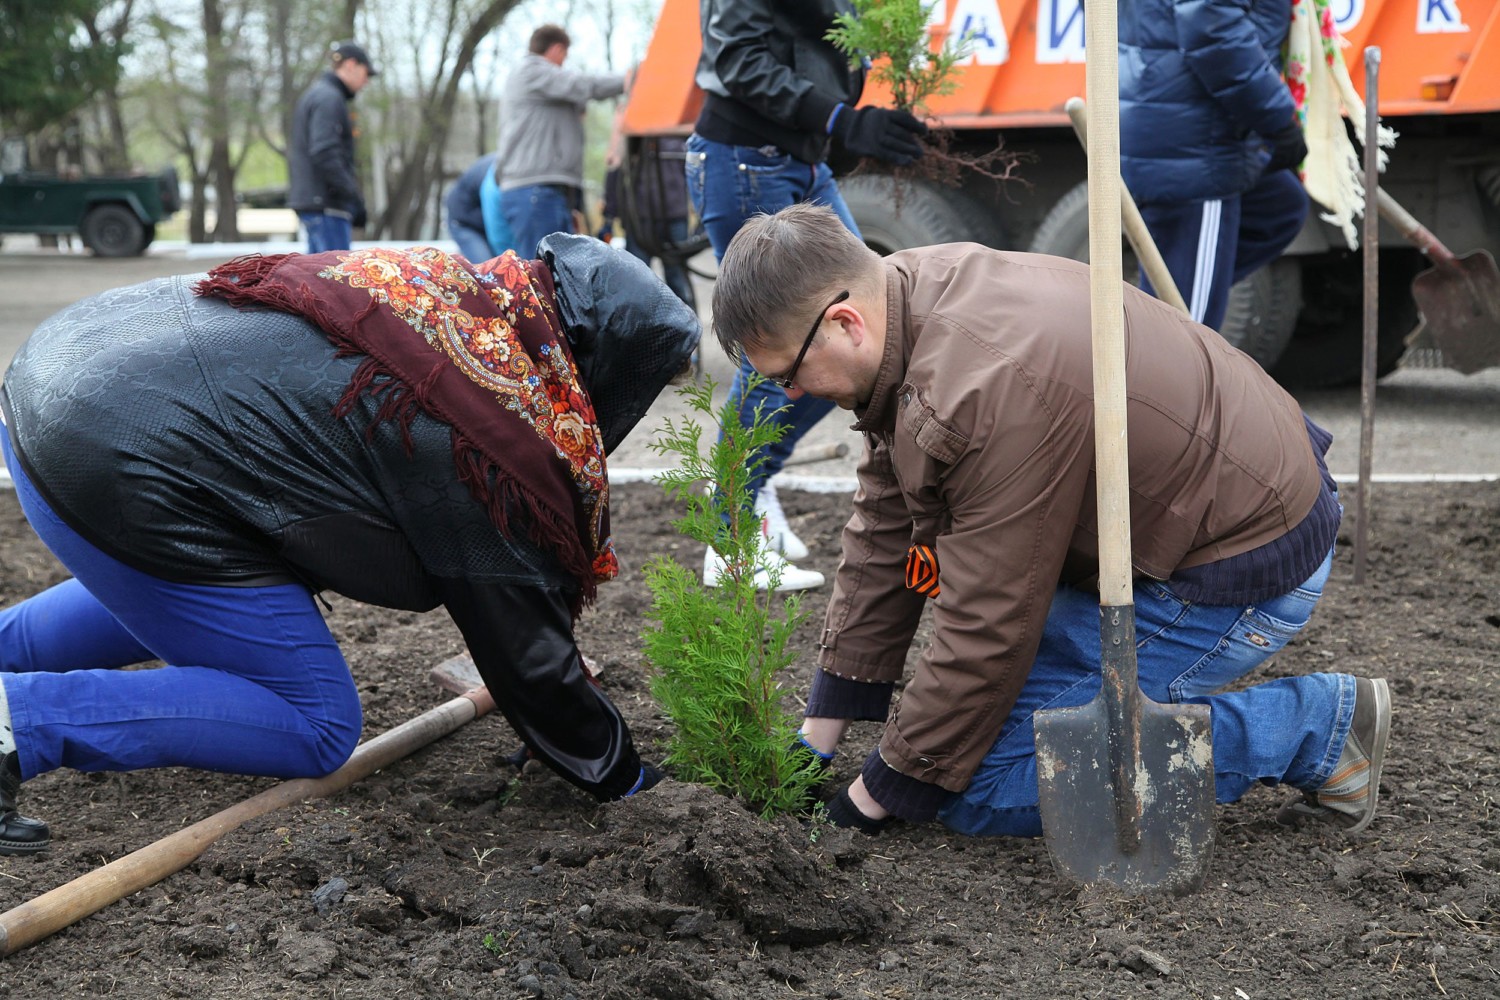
(18, 834)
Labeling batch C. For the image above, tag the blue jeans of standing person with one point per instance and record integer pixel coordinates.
(674, 273)
(472, 243)
(254, 683)
(326, 232)
(535, 211)
(1288, 731)
(496, 229)
(727, 185)
(1210, 245)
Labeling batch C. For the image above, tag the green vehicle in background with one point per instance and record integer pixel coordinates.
(115, 215)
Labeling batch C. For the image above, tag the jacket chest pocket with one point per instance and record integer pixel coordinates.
(933, 438)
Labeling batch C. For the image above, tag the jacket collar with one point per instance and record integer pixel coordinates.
(344, 87)
(879, 413)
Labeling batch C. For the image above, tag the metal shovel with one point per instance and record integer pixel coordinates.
(1126, 785)
(1459, 296)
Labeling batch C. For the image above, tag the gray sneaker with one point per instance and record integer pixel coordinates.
(1349, 796)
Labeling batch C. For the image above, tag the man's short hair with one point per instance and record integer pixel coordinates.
(547, 36)
(779, 269)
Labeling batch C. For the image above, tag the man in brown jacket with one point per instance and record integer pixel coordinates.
(969, 371)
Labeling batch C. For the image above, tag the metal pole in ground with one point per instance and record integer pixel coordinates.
(1372, 311)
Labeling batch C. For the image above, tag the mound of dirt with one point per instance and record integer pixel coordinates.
(445, 874)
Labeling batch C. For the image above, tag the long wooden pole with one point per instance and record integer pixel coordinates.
(52, 911)
(1146, 250)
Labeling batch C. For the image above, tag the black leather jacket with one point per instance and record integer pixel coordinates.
(768, 75)
(197, 443)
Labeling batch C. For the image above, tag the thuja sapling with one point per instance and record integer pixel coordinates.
(718, 652)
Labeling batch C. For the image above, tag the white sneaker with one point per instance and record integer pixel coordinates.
(773, 524)
(791, 577)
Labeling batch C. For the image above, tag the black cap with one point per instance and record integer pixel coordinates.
(355, 51)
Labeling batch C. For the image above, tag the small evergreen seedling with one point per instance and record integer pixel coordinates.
(894, 32)
(893, 36)
(719, 650)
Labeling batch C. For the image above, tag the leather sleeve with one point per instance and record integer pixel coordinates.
(736, 38)
(521, 639)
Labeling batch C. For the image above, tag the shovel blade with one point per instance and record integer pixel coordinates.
(1166, 845)
(1460, 304)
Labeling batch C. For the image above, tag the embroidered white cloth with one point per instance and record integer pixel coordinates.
(1319, 81)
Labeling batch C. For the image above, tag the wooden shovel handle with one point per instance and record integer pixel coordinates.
(1135, 226)
(37, 918)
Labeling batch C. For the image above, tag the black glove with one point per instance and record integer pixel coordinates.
(841, 811)
(358, 217)
(1288, 148)
(883, 133)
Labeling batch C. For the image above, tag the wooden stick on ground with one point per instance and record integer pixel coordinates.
(52, 911)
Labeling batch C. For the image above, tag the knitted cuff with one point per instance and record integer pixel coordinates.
(815, 113)
(834, 697)
(914, 801)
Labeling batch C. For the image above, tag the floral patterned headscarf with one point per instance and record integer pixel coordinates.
(479, 348)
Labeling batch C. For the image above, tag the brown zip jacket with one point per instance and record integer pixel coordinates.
(979, 442)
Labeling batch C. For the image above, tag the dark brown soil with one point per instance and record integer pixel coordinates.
(461, 881)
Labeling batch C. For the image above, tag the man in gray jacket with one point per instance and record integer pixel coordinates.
(541, 138)
(969, 370)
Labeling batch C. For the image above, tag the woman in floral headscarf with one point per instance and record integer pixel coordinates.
(397, 426)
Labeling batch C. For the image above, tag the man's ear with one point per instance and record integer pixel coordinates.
(847, 317)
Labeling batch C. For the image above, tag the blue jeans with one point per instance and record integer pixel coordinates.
(1288, 731)
(1210, 245)
(674, 273)
(496, 229)
(727, 185)
(472, 243)
(254, 682)
(533, 212)
(326, 232)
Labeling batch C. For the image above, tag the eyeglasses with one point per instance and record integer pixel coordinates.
(785, 381)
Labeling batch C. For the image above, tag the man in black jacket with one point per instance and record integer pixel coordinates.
(777, 93)
(324, 189)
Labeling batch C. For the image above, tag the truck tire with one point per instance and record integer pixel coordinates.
(1327, 346)
(1262, 309)
(920, 214)
(113, 230)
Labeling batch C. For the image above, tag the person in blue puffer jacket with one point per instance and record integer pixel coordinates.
(1209, 139)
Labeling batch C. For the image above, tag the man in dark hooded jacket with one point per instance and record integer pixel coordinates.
(204, 464)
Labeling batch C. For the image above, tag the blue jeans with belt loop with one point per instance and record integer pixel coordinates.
(728, 184)
(1287, 731)
(254, 683)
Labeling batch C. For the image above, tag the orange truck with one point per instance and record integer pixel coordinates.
(1301, 317)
